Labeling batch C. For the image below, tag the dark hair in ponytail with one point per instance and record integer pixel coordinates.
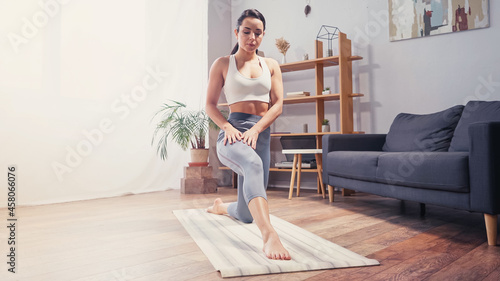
(252, 13)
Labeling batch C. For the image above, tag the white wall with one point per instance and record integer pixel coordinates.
(420, 75)
(80, 83)
(219, 44)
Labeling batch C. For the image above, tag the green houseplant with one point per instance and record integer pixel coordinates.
(187, 128)
(325, 125)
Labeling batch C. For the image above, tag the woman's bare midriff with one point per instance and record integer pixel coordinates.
(250, 107)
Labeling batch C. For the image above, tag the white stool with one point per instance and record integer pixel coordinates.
(297, 161)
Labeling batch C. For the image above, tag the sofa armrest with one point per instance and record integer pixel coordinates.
(350, 142)
(484, 167)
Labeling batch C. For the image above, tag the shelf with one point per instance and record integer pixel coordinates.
(312, 134)
(273, 169)
(311, 64)
(289, 170)
(310, 99)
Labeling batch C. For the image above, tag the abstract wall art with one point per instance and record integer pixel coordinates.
(420, 18)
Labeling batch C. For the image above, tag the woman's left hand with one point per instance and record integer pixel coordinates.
(250, 137)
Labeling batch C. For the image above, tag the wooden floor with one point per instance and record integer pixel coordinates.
(137, 237)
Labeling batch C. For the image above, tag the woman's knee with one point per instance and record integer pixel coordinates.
(240, 211)
(240, 154)
(246, 219)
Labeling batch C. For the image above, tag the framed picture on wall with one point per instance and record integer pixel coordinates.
(419, 18)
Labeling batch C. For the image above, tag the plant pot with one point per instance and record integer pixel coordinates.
(325, 128)
(199, 155)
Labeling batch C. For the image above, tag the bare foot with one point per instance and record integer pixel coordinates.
(218, 208)
(274, 249)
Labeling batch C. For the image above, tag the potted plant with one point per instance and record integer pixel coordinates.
(326, 91)
(325, 125)
(185, 127)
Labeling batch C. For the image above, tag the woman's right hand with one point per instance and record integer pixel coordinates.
(232, 135)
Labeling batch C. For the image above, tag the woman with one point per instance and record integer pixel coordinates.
(254, 91)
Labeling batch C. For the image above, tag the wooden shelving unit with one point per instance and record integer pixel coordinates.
(344, 97)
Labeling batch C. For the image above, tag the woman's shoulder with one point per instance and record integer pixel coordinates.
(272, 64)
(221, 63)
(222, 60)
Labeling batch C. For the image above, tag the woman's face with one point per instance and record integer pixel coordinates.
(250, 35)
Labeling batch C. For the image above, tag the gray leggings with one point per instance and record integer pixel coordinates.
(252, 166)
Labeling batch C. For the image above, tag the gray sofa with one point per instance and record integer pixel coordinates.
(450, 158)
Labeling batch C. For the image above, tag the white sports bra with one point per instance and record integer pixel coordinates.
(240, 88)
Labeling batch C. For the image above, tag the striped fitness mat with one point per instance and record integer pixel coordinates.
(235, 248)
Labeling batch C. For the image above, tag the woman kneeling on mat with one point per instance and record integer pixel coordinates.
(254, 92)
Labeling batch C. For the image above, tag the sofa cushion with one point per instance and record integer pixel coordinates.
(447, 171)
(429, 132)
(474, 111)
(361, 165)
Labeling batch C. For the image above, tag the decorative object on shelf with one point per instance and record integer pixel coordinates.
(306, 56)
(297, 94)
(283, 47)
(304, 128)
(432, 17)
(326, 91)
(186, 128)
(328, 33)
(307, 9)
(325, 125)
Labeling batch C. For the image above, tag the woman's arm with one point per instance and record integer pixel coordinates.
(276, 103)
(215, 84)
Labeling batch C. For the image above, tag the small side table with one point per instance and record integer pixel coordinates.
(297, 161)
